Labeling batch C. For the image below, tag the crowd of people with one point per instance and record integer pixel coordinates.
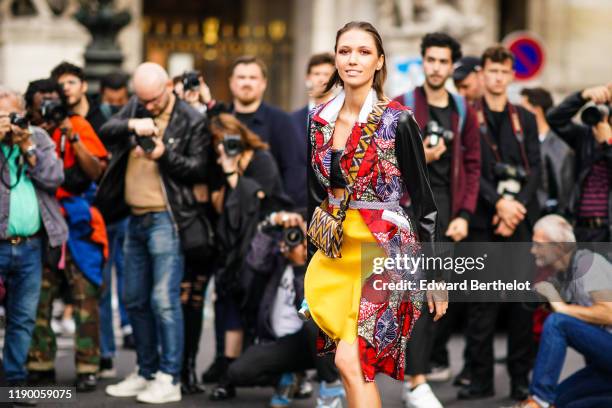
(155, 183)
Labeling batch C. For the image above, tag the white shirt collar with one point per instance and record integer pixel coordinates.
(330, 112)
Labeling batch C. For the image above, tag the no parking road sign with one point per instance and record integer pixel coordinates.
(528, 52)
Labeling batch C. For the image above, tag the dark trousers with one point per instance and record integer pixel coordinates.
(420, 343)
(264, 363)
(482, 317)
(455, 316)
(585, 234)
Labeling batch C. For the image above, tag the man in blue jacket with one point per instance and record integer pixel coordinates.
(248, 82)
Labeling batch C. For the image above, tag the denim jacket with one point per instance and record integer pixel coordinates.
(47, 176)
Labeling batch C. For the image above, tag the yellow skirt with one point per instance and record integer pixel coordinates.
(332, 287)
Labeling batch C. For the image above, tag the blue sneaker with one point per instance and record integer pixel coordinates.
(331, 395)
(285, 389)
(304, 312)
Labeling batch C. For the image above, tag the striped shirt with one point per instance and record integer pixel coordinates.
(595, 190)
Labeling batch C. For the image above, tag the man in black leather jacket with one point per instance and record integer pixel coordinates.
(589, 204)
(162, 147)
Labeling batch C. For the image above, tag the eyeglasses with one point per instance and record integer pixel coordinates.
(152, 100)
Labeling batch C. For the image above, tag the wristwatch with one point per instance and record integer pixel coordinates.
(74, 138)
(30, 151)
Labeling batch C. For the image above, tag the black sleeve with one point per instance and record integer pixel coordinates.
(560, 119)
(532, 149)
(411, 161)
(191, 165)
(115, 131)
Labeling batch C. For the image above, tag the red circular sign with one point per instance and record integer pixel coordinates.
(528, 53)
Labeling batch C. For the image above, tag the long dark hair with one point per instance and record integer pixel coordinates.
(380, 75)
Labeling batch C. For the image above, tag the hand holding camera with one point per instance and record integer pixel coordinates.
(598, 94)
(435, 141)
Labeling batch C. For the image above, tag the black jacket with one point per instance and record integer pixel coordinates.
(276, 128)
(183, 163)
(580, 138)
(510, 154)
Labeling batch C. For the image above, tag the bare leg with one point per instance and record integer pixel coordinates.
(359, 393)
(233, 343)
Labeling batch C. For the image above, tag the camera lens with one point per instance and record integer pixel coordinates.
(293, 236)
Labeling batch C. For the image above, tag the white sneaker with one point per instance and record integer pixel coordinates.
(68, 327)
(422, 397)
(130, 387)
(439, 374)
(161, 390)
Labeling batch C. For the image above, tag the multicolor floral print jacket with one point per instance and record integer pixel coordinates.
(386, 168)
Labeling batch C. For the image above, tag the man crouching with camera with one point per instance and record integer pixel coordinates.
(30, 173)
(161, 151)
(285, 344)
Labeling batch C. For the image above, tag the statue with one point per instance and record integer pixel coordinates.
(103, 54)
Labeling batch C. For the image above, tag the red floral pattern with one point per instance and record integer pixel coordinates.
(385, 318)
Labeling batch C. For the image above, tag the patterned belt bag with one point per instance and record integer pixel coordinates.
(325, 229)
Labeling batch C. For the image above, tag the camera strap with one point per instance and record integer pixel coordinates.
(517, 129)
(20, 164)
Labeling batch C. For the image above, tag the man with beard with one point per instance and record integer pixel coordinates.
(72, 79)
(452, 152)
(248, 82)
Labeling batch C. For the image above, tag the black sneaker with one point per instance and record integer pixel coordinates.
(128, 342)
(215, 371)
(86, 382)
(223, 392)
(106, 368)
(41, 378)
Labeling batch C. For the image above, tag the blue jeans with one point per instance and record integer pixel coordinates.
(116, 237)
(593, 342)
(21, 270)
(153, 273)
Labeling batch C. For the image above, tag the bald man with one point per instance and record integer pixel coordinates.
(161, 147)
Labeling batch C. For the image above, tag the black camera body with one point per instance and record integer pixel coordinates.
(53, 111)
(232, 144)
(505, 171)
(146, 143)
(19, 120)
(510, 179)
(191, 80)
(592, 114)
(437, 132)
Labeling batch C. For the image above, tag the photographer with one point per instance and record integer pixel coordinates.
(83, 156)
(452, 152)
(162, 149)
(252, 190)
(191, 88)
(580, 295)
(506, 211)
(556, 156)
(30, 173)
(285, 344)
(590, 203)
(72, 80)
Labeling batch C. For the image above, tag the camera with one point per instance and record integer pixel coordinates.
(146, 143)
(437, 132)
(293, 236)
(232, 144)
(19, 120)
(592, 114)
(191, 80)
(53, 110)
(511, 179)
